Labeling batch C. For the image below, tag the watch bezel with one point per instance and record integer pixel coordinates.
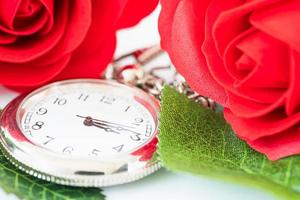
(62, 169)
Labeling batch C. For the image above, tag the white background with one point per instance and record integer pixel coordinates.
(163, 184)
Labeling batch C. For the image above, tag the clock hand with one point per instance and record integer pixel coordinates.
(107, 129)
(104, 122)
(125, 129)
(88, 121)
(119, 128)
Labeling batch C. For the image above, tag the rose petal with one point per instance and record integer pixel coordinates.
(79, 22)
(225, 20)
(245, 64)
(230, 18)
(89, 59)
(96, 50)
(278, 146)
(217, 15)
(267, 125)
(72, 38)
(7, 39)
(86, 60)
(30, 18)
(8, 11)
(254, 86)
(232, 55)
(29, 74)
(27, 8)
(165, 25)
(280, 20)
(27, 26)
(49, 6)
(246, 108)
(76, 68)
(184, 48)
(84, 65)
(28, 50)
(213, 56)
(293, 93)
(105, 16)
(134, 11)
(266, 52)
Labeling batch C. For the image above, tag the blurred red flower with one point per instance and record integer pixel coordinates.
(47, 40)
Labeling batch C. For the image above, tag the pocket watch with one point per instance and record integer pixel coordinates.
(87, 132)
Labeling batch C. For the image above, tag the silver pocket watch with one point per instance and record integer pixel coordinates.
(89, 132)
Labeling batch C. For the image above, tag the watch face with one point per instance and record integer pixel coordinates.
(88, 118)
(82, 132)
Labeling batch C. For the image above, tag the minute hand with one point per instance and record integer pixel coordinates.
(104, 122)
(107, 129)
(119, 128)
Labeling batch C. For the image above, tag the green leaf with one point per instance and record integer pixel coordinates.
(197, 140)
(26, 187)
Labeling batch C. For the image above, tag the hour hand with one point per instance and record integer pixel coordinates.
(88, 121)
(116, 127)
(120, 128)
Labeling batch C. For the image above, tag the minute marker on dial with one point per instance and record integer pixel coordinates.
(127, 108)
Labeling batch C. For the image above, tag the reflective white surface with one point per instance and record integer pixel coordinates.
(162, 185)
(87, 118)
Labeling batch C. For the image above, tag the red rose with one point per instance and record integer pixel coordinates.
(46, 40)
(246, 56)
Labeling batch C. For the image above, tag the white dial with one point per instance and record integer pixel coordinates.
(87, 119)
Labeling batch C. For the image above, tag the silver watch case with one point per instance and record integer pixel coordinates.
(74, 171)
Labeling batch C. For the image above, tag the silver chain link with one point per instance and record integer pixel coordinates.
(136, 75)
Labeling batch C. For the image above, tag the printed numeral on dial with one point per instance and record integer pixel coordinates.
(37, 126)
(107, 100)
(83, 97)
(49, 139)
(60, 101)
(119, 148)
(95, 152)
(68, 150)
